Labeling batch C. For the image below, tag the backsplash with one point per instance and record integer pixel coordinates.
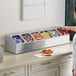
(10, 17)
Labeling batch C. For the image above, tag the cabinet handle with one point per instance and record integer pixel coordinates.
(46, 63)
(70, 57)
(9, 73)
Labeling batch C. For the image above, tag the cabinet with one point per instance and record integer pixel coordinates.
(47, 68)
(59, 67)
(15, 71)
(47, 72)
(66, 69)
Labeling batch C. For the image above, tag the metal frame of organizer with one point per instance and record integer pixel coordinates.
(56, 39)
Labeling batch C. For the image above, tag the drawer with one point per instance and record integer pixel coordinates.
(16, 71)
(68, 64)
(65, 58)
(50, 63)
(43, 65)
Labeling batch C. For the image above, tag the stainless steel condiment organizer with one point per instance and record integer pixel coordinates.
(15, 48)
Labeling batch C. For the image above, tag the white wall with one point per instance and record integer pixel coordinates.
(10, 17)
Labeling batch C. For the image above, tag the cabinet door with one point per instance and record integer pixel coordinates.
(16, 71)
(66, 69)
(47, 72)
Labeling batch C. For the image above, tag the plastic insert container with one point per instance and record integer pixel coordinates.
(62, 31)
(27, 37)
(17, 39)
(54, 33)
(37, 36)
(45, 34)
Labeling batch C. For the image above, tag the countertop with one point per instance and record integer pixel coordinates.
(10, 60)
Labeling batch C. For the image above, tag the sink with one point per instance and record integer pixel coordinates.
(1, 55)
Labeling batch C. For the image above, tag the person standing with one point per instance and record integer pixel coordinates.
(73, 28)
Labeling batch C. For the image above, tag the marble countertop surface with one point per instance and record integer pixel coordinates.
(10, 60)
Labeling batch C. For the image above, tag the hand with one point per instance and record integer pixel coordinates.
(67, 28)
(72, 28)
(74, 73)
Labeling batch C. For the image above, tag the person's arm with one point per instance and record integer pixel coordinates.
(74, 73)
(73, 28)
(74, 55)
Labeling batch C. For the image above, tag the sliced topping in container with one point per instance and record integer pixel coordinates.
(17, 39)
(63, 31)
(45, 34)
(27, 37)
(37, 36)
(54, 33)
